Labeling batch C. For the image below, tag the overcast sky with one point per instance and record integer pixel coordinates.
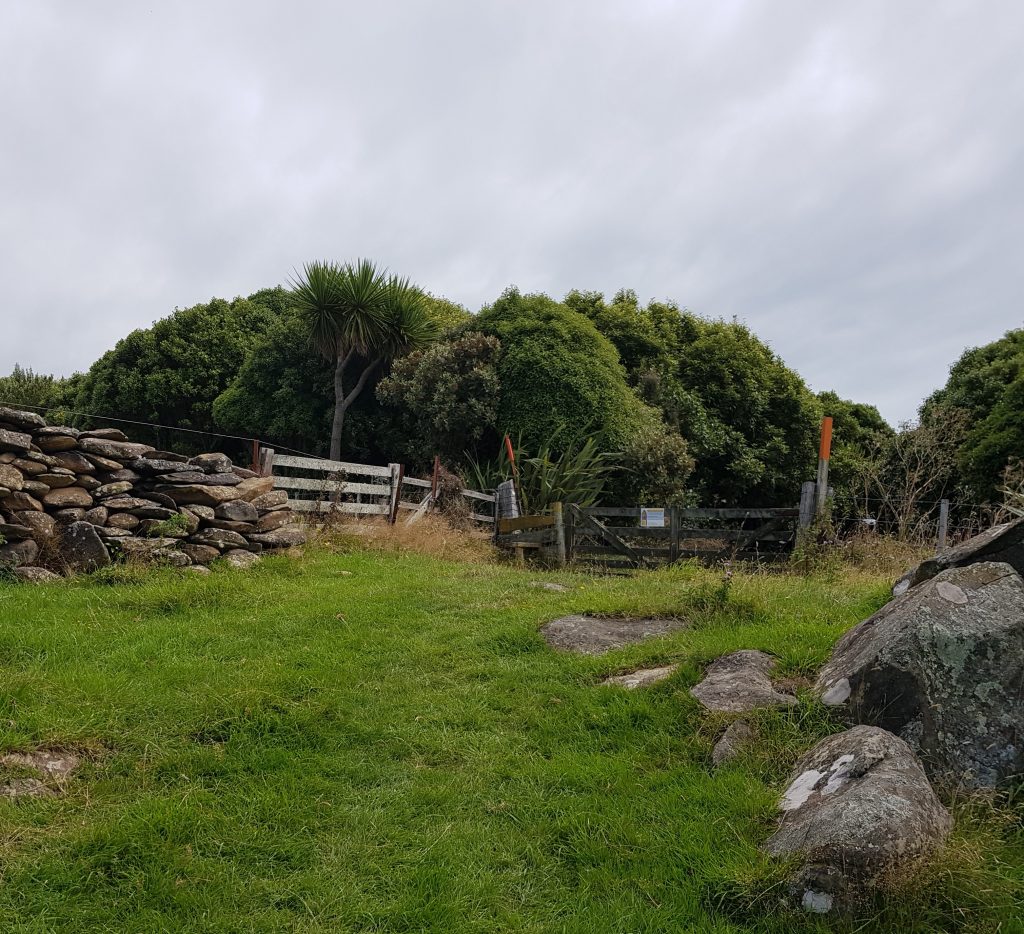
(846, 178)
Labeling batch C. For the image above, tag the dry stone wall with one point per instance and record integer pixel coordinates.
(73, 501)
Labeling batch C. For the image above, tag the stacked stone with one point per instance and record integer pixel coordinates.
(85, 498)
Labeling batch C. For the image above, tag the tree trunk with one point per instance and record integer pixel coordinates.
(342, 401)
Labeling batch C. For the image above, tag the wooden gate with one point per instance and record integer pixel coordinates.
(632, 536)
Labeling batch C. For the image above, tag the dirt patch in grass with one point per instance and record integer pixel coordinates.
(594, 635)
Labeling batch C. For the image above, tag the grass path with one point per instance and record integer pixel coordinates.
(359, 742)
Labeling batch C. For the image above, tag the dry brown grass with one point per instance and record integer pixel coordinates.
(430, 535)
(882, 554)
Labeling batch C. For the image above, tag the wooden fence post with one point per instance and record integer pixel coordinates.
(943, 523)
(267, 462)
(824, 453)
(556, 511)
(569, 524)
(806, 505)
(673, 525)
(397, 475)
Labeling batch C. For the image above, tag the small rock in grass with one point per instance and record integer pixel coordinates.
(34, 575)
(237, 558)
(732, 742)
(550, 585)
(739, 682)
(641, 678)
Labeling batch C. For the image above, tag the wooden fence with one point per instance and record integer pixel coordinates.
(322, 487)
(631, 536)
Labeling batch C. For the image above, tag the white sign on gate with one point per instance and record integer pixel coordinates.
(652, 518)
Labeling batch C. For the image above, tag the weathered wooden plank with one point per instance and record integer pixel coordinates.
(483, 497)
(479, 518)
(533, 536)
(525, 522)
(695, 512)
(326, 466)
(415, 481)
(352, 509)
(645, 552)
(331, 486)
(421, 509)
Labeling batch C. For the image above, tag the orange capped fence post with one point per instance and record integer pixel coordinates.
(824, 453)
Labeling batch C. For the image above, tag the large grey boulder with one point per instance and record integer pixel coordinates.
(943, 667)
(82, 548)
(1003, 542)
(740, 682)
(858, 806)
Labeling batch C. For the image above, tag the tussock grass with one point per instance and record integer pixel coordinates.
(371, 739)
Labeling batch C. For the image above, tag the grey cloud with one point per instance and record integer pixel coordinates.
(845, 178)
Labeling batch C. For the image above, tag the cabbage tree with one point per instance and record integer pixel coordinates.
(359, 316)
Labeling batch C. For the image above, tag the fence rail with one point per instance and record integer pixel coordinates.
(320, 486)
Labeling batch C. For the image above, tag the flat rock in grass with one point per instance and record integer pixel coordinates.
(739, 682)
(34, 575)
(737, 737)
(114, 450)
(550, 586)
(17, 442)
(201, 495)
(858, 807)
(11, 478)
(642, 677)
(943, 667)
(50, 763)
(83, 549)
(594, 635)
(1003, 543)
(24, 421)
(288, 536)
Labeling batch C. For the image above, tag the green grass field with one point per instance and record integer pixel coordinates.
(368, 742)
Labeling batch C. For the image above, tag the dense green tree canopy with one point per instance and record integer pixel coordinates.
(561, 379)
(750, 422)
(172, 372)
(444, 400)
(987, 384)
